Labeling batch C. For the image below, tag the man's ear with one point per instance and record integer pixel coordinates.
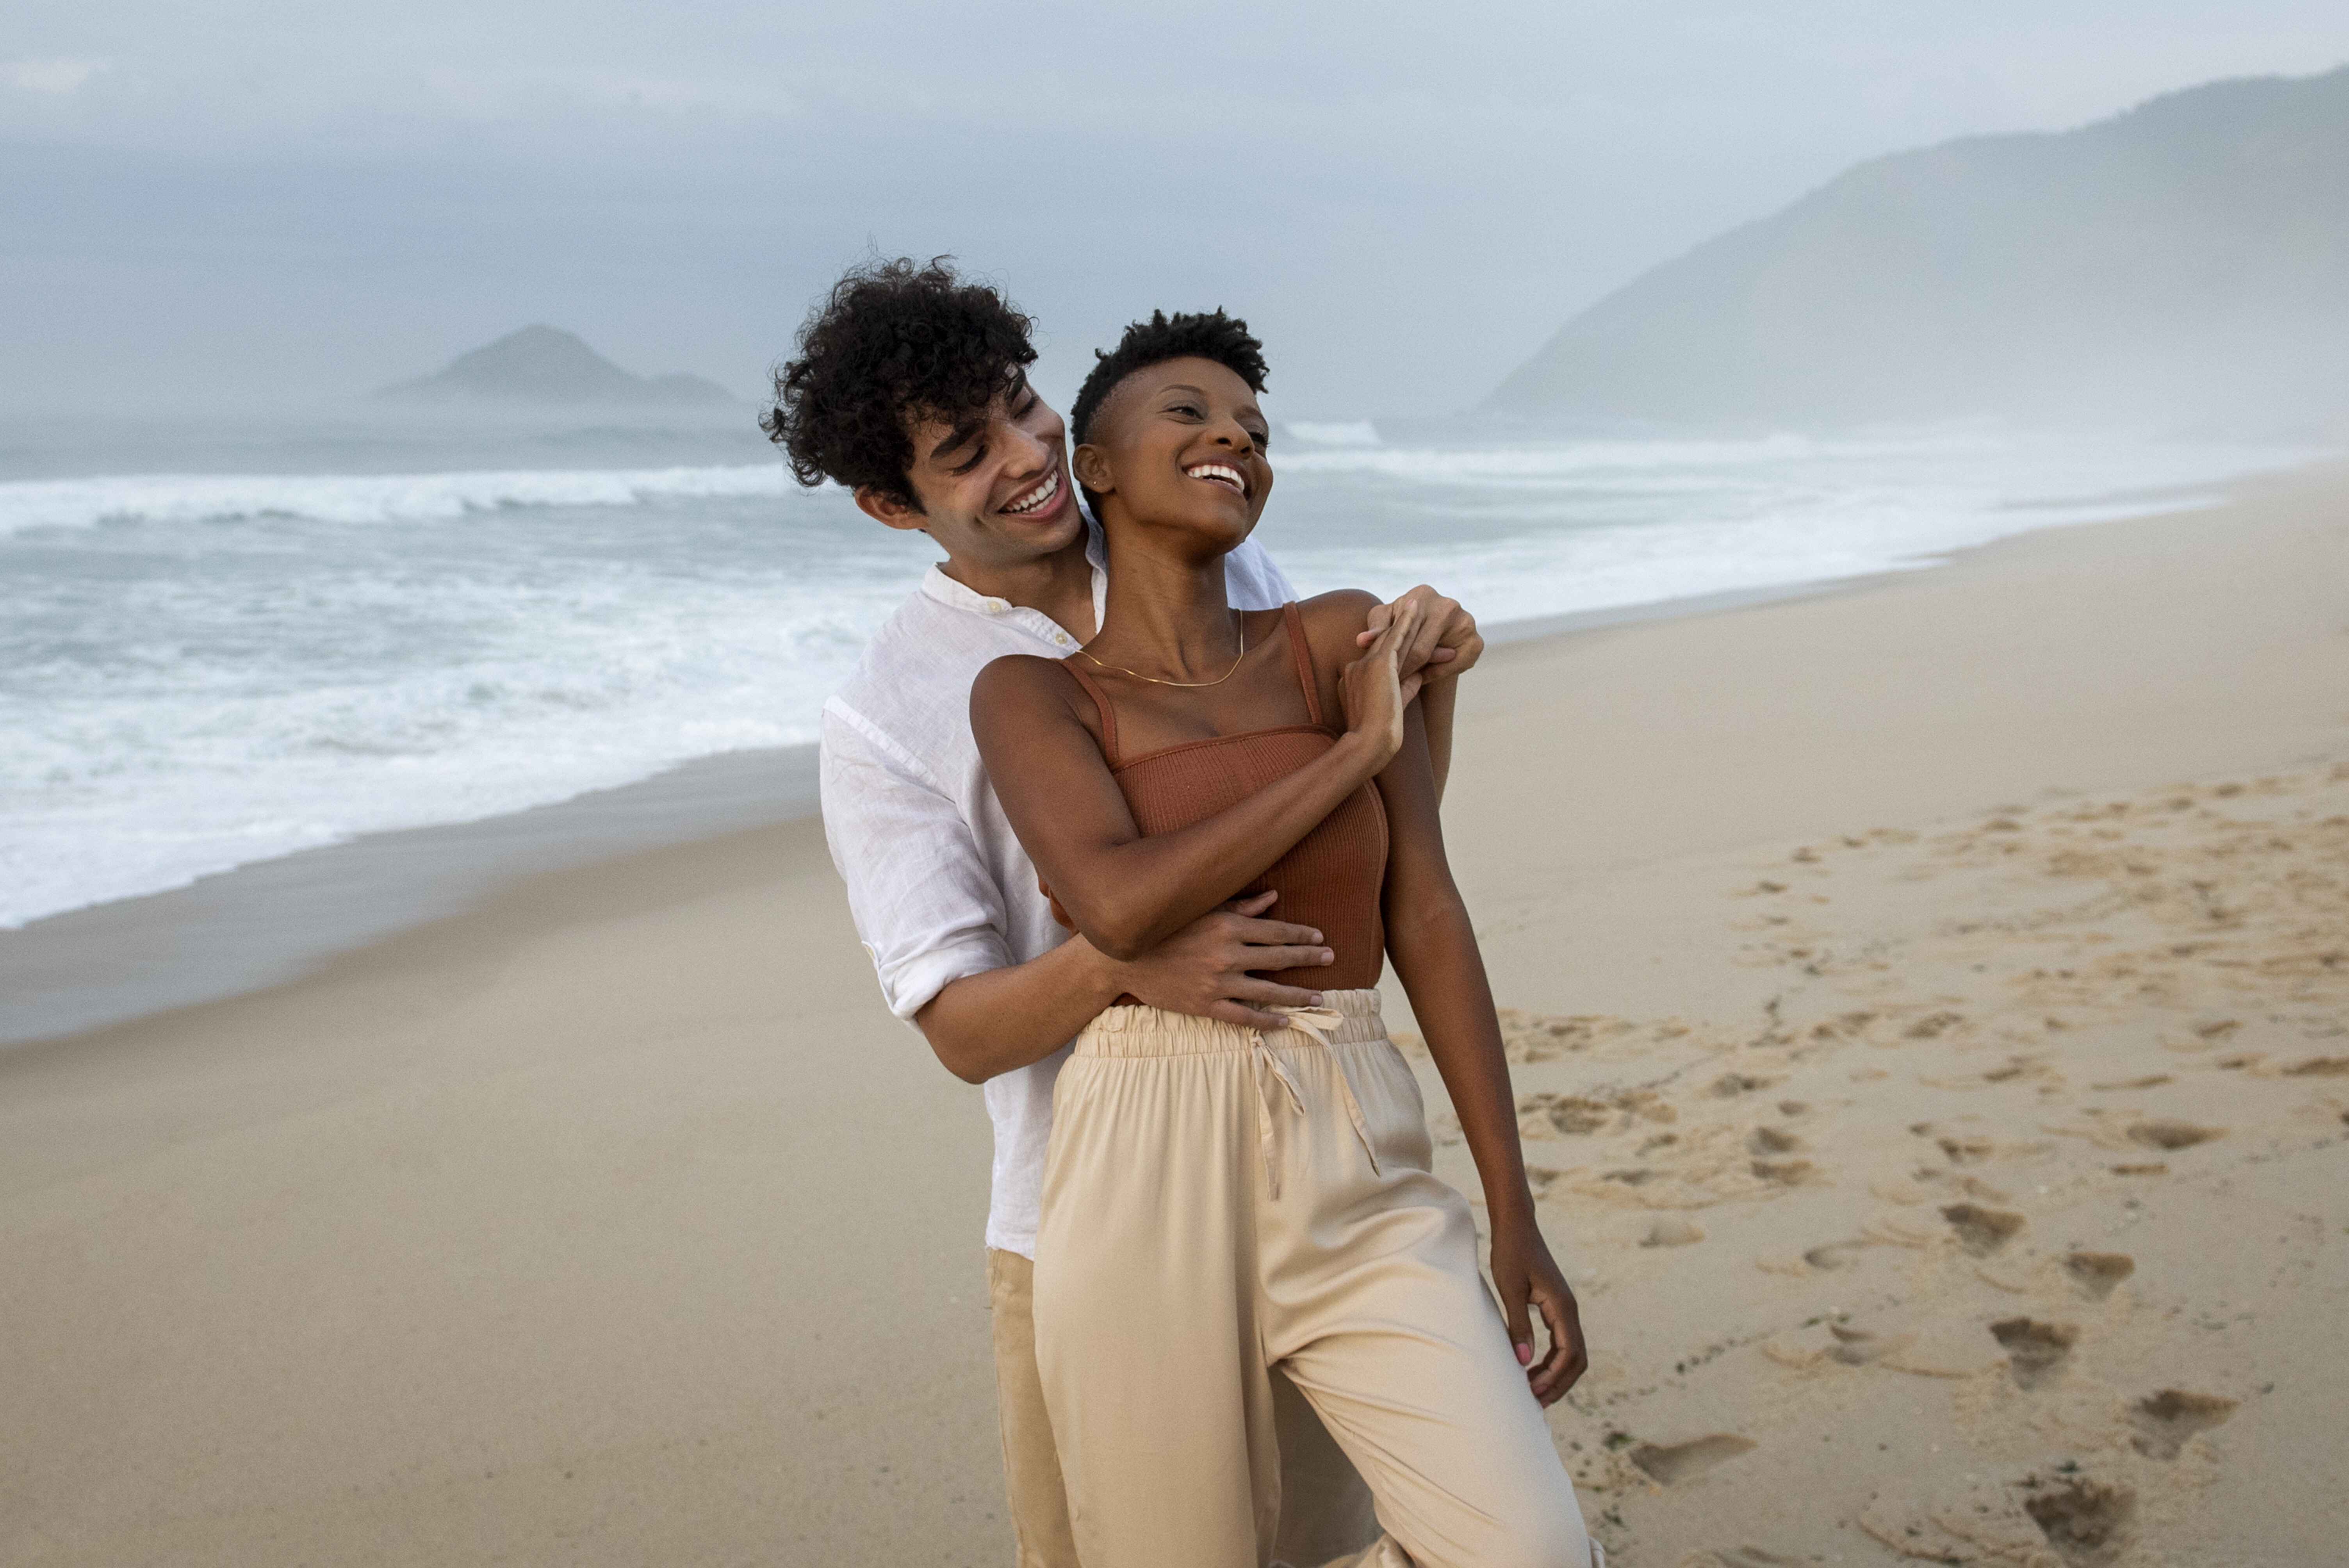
(1091, 466)
(892, 511)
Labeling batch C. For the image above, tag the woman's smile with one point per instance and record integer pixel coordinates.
(1219, 474)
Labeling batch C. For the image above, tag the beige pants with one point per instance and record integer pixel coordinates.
(1219, 1202)
(1325, 1511)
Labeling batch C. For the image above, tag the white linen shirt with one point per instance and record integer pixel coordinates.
(937, 883)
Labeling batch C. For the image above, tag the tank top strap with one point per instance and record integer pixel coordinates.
(1101, 701)
(1303, 652)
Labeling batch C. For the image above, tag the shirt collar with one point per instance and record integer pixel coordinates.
(1097, 557)
(944, 590)
(956, 595)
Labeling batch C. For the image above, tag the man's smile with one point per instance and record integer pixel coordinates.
(1044, 494)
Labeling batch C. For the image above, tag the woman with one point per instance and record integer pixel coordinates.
(1218, 1200)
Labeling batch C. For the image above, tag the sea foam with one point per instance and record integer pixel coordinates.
(359, 498)
(199, 671)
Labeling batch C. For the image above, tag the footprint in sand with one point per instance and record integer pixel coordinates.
(1857, 1346)
(1852, 1026)
(1836, 1255)
(2320, 1067)
(2086, 1521)
(1772, 1140)
(2097, 1272)
(1966, 1150)
(2165, 1420)
(1571, 1114)
(2036, 1350)
(1646, 1104)
(1728, 1086)
(1980, 1231)
(1736, 1557)
(1672, 1463)
(2166, 1134)
(1784, 1172)
(1672, 1234)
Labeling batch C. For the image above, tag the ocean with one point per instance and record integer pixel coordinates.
(222, 645)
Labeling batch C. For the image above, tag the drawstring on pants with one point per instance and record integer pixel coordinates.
(1316, 1022)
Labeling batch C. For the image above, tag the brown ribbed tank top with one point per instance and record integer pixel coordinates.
(1331, 878)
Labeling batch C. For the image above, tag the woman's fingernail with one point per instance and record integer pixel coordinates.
(1328, 957)
(1315, 937)
(1319, 998)
(1525, 1355)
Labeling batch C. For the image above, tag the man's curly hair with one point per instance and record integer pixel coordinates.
(894, 343)
(1211, 334)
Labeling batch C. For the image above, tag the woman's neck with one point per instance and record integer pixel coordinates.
(1166, 615)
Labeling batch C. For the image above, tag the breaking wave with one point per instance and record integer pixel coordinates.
(363, 499)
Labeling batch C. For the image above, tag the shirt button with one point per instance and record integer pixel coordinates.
(1062, 638)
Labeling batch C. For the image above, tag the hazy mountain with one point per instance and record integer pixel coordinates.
(543, 365)
(2186, 261)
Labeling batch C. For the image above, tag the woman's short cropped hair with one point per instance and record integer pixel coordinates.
(1209, 335)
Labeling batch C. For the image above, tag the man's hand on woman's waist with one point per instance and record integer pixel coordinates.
(1204, 968)
(1003, 1019)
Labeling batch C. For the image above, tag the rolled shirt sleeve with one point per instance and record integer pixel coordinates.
(924, 905)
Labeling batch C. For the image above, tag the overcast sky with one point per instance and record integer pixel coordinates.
(226, 201)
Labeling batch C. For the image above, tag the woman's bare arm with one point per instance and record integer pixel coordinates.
(1127, 893)
(1437, 700)
(1435, 955)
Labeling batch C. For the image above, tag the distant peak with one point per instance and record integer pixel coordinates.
(545, 364)
(2174, 265)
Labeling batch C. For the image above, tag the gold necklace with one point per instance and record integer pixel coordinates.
(1238, 629)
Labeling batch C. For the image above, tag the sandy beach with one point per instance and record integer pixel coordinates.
(1927, 1001)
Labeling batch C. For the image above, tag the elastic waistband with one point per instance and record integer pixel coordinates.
(1344, 1017)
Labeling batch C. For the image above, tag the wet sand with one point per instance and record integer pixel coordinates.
(1927, 1000)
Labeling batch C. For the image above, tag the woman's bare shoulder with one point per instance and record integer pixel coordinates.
(1341, 603)
(1333, 620)
(1021, 681)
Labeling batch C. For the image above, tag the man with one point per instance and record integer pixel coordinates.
(910, 390)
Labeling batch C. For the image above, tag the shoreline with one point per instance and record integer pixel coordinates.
(272, 922)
